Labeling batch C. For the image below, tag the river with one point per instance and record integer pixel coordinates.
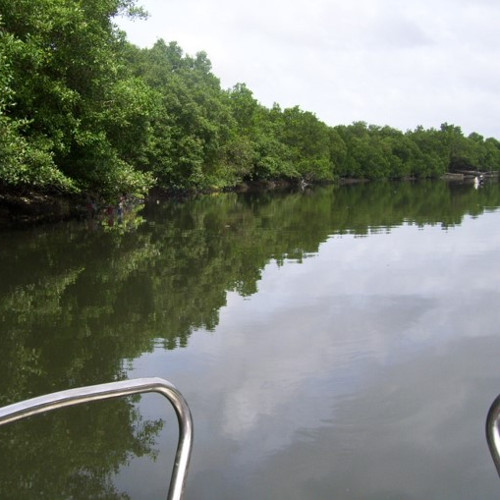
(340, 342)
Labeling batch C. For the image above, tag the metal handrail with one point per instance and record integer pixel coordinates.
(493, 432)
(111, 390)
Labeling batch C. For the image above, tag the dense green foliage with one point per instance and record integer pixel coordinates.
(82, 109)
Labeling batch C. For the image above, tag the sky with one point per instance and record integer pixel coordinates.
(385, 62)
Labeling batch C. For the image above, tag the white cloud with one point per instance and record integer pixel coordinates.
(381, 61)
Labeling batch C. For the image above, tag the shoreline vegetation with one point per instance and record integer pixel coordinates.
(85, 115)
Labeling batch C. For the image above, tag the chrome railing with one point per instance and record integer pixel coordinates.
(111, 390)
(493, 432)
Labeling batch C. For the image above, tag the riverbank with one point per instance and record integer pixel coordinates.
(20, 207)
(26, 206)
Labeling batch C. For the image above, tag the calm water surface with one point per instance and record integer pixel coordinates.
(336, 343)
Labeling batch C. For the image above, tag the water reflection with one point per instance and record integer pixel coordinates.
(74, 453)
(319, 343)
(330, 383)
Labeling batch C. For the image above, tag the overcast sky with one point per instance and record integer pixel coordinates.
(386, 62)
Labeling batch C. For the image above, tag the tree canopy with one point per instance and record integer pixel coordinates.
(84, 110)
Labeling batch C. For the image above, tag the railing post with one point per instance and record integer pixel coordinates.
(493, 432)
(72, 397)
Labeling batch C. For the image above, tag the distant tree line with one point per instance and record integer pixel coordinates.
(82, 109)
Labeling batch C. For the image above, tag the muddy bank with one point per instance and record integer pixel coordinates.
(25, 206)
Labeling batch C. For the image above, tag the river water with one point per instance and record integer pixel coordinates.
(341, 342)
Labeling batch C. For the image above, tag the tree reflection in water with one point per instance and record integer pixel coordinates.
(75, 305)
